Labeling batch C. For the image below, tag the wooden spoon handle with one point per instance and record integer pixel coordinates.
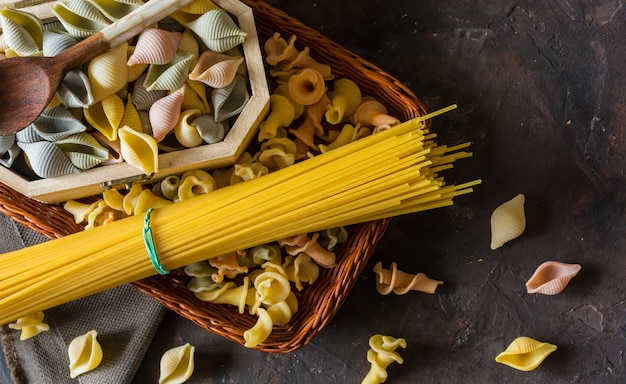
(118, 32)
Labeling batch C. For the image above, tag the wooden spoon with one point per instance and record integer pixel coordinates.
(27, 84)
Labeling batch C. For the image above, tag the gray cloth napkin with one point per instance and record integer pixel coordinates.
(125, 319)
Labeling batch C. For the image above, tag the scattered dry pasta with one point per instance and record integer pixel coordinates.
(382, 353)
(525, 353)
(508, 221)
(85, 354)
(177, 364)
(400, 283)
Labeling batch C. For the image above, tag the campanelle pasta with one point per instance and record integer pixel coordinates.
(381, 354)
(30, 326)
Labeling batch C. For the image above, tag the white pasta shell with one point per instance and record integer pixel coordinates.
(551, 277)
(139, 150)
(83, 150)
(165, 112)
(231, 100)
(106, 115)
(22, 32)
(6, 142)
(79, 18)
(177, 365)
(215, 69)
(108, 72)
(217, 30)
(55, 42)
(155, 46)
(116, 9)
(47, 160)
(8, 157)
(53, 124)
(508, 221)
(75, 90)
(85, 353)
(142, 98)
(169, 76)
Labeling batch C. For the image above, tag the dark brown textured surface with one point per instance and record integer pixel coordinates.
(540, 88)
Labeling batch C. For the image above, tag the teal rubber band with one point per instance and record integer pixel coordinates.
(149, 242)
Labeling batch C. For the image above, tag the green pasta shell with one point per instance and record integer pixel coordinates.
(218, 31)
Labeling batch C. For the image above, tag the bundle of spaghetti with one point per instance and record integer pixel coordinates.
(390, 173)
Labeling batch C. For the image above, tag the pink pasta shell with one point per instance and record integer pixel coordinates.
(551, 277)
(155, 46)
(165, 112)
(216, 69)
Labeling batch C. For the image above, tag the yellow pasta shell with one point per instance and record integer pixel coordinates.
(525, 353)
(508, 221)
(85, 354)
(187, 134)
(108, 72)
(177, 364)
(22, 32)
(139, 150)
(106, 115)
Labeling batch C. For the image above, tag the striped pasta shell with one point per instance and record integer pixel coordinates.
(22, 31)
(83, 150)
(210, 131)
(231, 100)
(217, 30)
(508, 221)
(108, 72)
(79, 18)
(53, 124)
(169, 76)
(155, 46)
(177, 364)
(193, 10)
(139, 150)
(134, 71)
(47, 160)
(189, 44)
(6, 142)
(196, 96)
(142, 98)
(551, 277)
(55, 42)
(116, 9)
(75, 90)
(131, 116)
(165, 112)
(525, 353)
(215, 69)
(106, 115)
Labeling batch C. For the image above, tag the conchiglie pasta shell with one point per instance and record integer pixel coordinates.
(196, 96)
(551, 277)
(6, 142)
(131, 116)
(85, 354)
(217, 30)
(155, 46)
(307, 86)
(508, 221)
(114, 9)
(189, 44)
(177, 364)
(83, 150)
(54, 123)
(22, 31)
(210, 131)
(142, 98)
(55, 42)
(134, 71)
(139, 150)
(108, 72)
(185, 132)
(231, 100)
(75, 90)
(79, 18)
(215, 69)
(168, 76)
(106, 115)
(165, 112)
(525, 353)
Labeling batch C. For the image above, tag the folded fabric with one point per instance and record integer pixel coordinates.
(125, 319)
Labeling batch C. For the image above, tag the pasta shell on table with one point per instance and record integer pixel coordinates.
(83, 150)
(260, 331)
(215, 69)
(277, 49)
(372, 113)
(116, 9)
(508, 221)
(108, 72)
(345, 99)
(22, 31)
(106, 115)
(168, 76)
(143, 98)
(75, 90)
(525, 353)
(307, 86)
(47, 160)
(54, 123)
(139, 150)
(85, 353)
(177, 364)
(551, 277)
(231, 100)
(155, 46)
(281, 115)
(55, 42)
(217, 30)
(79, 18)
(165, 112)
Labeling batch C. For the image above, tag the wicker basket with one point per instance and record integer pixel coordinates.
(319, 302)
